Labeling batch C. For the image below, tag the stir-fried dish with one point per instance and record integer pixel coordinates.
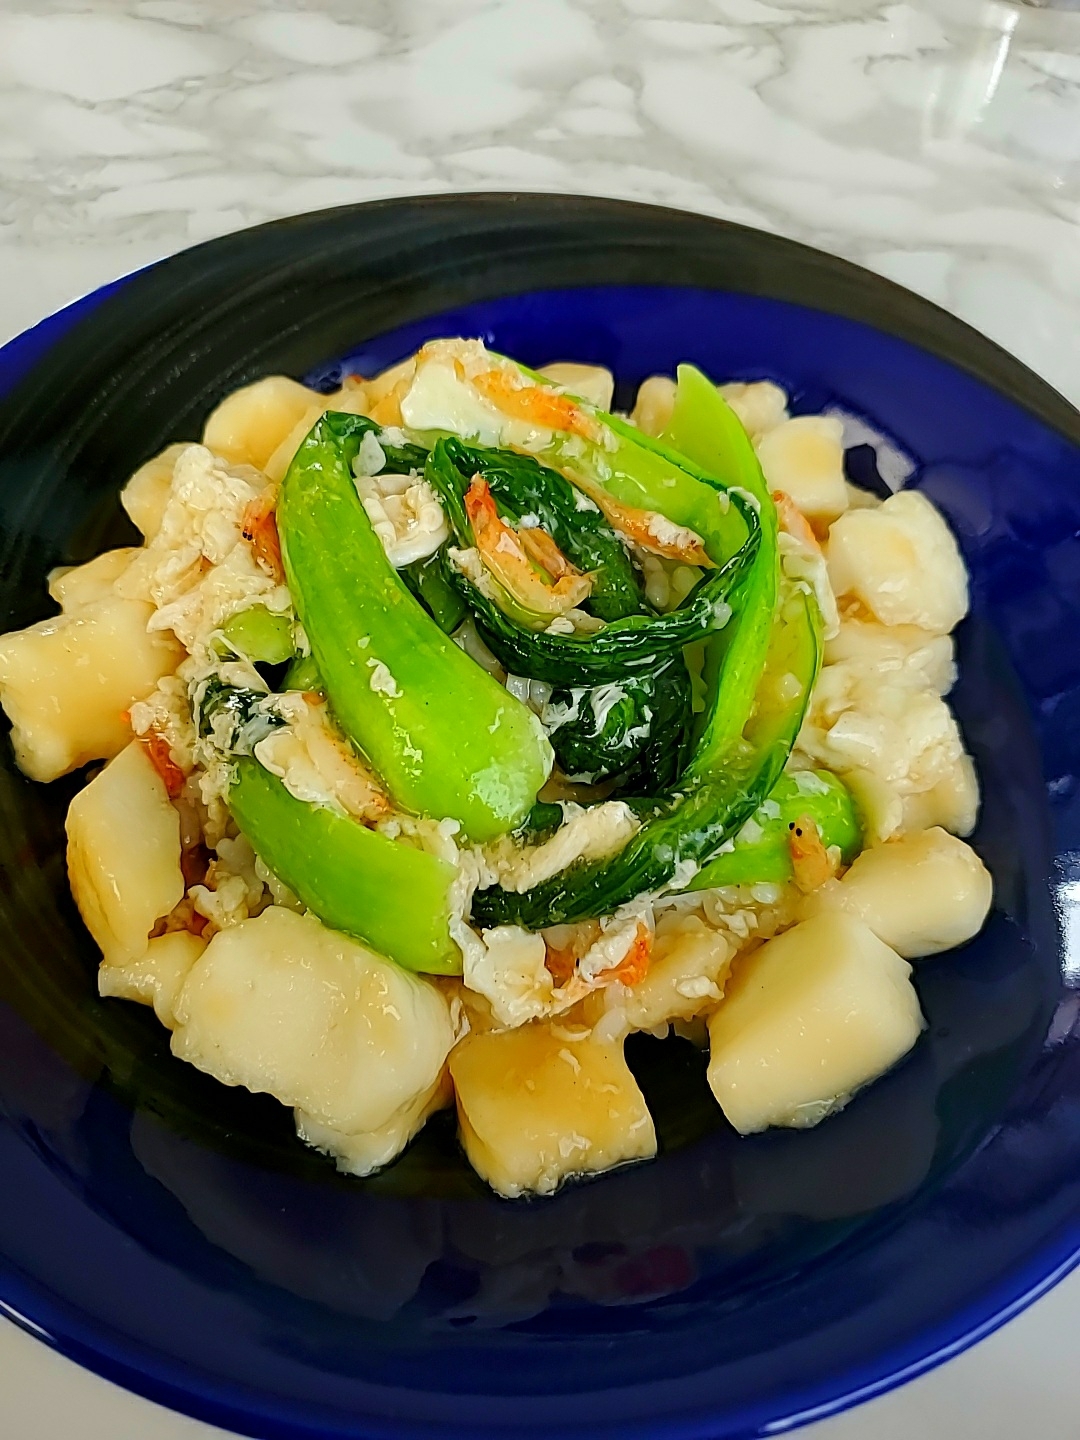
(458, 728)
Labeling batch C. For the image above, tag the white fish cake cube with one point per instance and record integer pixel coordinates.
(154, 978)
(352, 398)
(124, 854)
(921, 893)
(284, 1005)
(901, 654)
(66, 682)
(544, 1102)
(146, 494)
(75, 586)
(902, 562)
(879, 803)
(807, 1020)
(249, 425)
(804, 457)
(654, 403)
(588, 382)
(281, 458)
(369, 1150)
(687, 973)
(951, 802)
(760, 405)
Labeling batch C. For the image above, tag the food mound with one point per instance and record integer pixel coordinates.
(456, 729)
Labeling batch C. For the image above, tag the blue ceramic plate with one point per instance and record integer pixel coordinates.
(173, 1234)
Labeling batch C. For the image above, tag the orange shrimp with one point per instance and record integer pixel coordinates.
(560, 964)
(160, 756)
(647, 529)
(259, 528)
(809, 859)
(504, 554)
(634, 965)
(793, 522)
(561, 961)
(535, 403)
(541, 548)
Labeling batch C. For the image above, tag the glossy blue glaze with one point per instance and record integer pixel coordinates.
(734, 1287)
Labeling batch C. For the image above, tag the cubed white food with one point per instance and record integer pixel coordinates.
(124, 854)
(249, 425)
(879, 803)
(66, 682)
(588, 382)
(860, 499)
(76, 586)
(899, 654)
(892, 739)
(687, 972)
(352, 399)
(920, 894)
(370, 1150)
(654, 404)
(804, 457)
(902, 562)
(283, 1004)
(807, 1020)
(155, 977)
(951, 802)
(146, 494)
(759, 404)
(544, 1102)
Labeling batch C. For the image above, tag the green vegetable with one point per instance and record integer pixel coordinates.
(393, 897)
(706, 429)
(653, 475)
(767, 856)
(303, 674)
(239, 717)
(635, 728)
(522, 487)
(664, 754)
(260, 635)
(427, 581)
(634, 645)
(541, 822)
(401, 459)
(444, 736)
(689, 826)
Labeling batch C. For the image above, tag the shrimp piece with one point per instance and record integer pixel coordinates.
(259, 528)
(504, 554)
(160, 756)
(647, 529)
(543, 551)
(810, 860)
(562, 963)
(793, 522)
(544, 408)
(565, 945)
(634, 965)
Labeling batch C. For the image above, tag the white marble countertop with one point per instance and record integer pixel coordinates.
(937, 141)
